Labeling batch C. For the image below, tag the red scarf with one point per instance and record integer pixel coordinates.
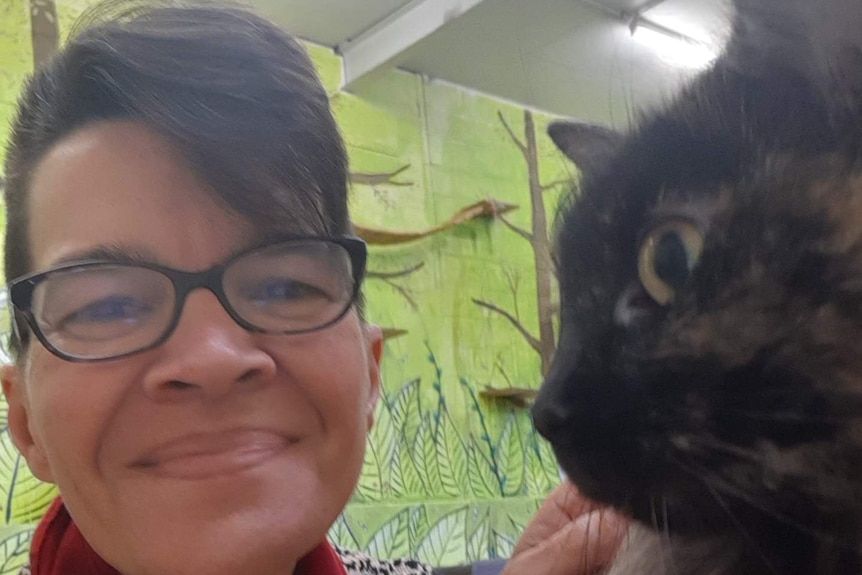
(59, 549)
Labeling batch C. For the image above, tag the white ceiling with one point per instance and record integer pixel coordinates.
(571, 57)
(328, 22)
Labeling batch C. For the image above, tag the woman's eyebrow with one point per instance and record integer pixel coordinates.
(115, 253)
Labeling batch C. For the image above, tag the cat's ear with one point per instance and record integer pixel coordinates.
(590, 147)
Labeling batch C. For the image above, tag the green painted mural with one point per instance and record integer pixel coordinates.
(454, 192)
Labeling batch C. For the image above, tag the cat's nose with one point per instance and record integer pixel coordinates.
(555, 407)
(550, 417)
(633, 307)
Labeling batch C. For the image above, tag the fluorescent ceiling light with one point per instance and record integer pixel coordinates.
(674, 48)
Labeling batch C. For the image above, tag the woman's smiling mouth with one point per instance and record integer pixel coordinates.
(209, 455)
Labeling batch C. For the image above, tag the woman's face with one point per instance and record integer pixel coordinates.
(221, 451)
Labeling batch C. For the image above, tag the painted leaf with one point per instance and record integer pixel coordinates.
(504, 544)
(384, 438)
(14, 548)
(510, 457)
(477, 543)
(536, 481)
(405, 410)
(405, 479)
(549, 461)
(451, 457)
(483, 479)
(425, 457)
(414, 488)
(417, 454)
(370, 486)
(396, 476)
(24, 498)
(483, 467)
(445, 542)
(417, 526)
(392, 540)
(4, 409)
(340, 534)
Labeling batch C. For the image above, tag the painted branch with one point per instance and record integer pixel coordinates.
(534, 343)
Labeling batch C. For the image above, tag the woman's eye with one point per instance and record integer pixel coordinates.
(667, 257)
(283, 291)
(109, 310)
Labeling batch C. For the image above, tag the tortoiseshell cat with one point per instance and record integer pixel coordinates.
(708, 379)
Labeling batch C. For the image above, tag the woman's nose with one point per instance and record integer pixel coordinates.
(208, 354)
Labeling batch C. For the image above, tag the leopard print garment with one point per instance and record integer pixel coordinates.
(357, 563)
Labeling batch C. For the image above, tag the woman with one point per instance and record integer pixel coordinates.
(210, 431)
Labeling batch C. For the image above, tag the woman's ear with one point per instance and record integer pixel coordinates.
(374, 344)
(19, 422)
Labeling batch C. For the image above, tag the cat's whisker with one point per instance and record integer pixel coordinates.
(586, 557)
(658, 529)
(668, 547)
(791, 417)
(705, 478)
(715, 482)
(739, 527)
(850, 410)
(696, 446)
(689, 444)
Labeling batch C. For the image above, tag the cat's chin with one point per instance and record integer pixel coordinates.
(600, 489)
(681, 507)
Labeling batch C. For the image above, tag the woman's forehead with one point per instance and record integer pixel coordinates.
(129, 143)
(118, 183)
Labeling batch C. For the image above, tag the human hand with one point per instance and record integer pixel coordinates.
(568, 535)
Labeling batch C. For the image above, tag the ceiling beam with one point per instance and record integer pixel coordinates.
(633, 19)
(649, 5)
(381, 46)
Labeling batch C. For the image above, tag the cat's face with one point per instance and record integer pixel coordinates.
(709, 368)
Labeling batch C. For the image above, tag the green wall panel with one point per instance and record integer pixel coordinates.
(16, 58)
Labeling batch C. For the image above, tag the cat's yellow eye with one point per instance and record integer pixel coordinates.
(667, 256)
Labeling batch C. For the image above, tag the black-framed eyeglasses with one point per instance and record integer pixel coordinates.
(99, 310)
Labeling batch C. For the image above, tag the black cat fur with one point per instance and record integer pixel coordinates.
(727, 419)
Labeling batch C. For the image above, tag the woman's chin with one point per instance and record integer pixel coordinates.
(246, 521)
(249, 542)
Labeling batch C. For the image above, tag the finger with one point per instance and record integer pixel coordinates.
(596, 536)
(561, 507)
(582, 547)
(571, 501)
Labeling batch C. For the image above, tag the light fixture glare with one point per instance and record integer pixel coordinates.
(674, 49)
